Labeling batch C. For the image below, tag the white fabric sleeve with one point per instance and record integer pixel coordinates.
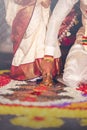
(61, 10)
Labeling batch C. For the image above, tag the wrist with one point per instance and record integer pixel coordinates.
(48, 58)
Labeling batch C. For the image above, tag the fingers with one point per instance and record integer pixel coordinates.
(46, 3)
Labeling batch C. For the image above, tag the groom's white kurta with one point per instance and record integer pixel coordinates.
(75, 70)
(61, 10)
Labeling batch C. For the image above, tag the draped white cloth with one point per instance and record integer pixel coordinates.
(75, 70)
(11, 9)
(27, 58)
(32, 45)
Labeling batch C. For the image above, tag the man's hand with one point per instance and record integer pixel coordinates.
(46, 67)
(45, 3)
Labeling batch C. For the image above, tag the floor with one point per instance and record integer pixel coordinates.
(68, 116)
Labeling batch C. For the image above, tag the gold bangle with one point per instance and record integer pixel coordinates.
(49, 59)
